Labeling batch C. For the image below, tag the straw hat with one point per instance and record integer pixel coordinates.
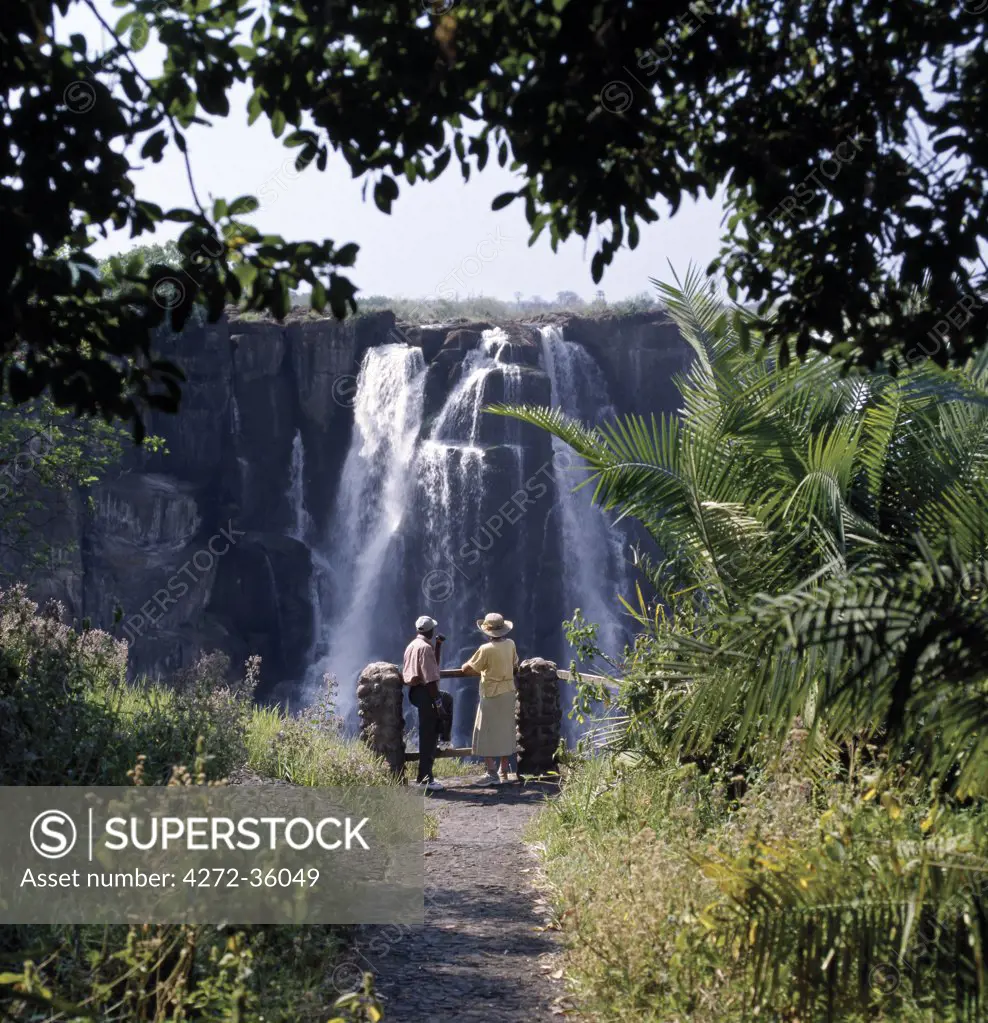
(495, 625)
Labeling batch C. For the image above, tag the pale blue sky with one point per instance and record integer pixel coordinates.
(436, 231)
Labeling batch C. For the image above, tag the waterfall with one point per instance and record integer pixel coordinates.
(371, 504)
(593, 558)
(421, 522)
(459, 420)
(244, 466)
(455, 471)
(303, 528)
(302, 521)
(273, 583)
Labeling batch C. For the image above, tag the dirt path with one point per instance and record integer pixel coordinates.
(482, 954)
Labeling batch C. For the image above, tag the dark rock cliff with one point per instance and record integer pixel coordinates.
(196, 544)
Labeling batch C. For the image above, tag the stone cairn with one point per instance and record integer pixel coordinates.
(538, 716)
(382, 722)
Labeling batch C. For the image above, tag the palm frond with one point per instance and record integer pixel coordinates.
(863, 908)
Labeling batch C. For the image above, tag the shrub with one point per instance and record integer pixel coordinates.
(677, 899)
(51, 733)
(69, 716)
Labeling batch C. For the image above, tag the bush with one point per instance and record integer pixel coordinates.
(51, 733)
(165, 722)
(69, 716)
(658, 874)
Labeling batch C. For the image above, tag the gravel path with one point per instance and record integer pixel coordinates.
(483, 954)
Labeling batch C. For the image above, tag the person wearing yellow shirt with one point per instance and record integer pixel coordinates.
(496, 663)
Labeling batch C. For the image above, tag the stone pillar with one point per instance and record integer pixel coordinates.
(538, 716)
(382, 721)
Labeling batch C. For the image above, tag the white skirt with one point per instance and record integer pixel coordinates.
(494, 727)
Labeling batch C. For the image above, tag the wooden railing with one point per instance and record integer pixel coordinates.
(538, 713)
(566, 676)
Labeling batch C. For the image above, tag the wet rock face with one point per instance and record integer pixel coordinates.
(201, 547)
(639, 354)
(152, 543)
(261, 598)
(141, 529)
(461, 340)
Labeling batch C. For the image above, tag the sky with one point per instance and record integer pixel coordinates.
(441, 237)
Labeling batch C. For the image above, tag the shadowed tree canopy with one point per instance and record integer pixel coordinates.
(850, 137)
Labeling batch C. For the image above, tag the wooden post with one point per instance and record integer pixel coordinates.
(382, 721)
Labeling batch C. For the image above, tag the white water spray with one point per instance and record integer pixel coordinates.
(302, 525)
(372, 501)
(594, 567)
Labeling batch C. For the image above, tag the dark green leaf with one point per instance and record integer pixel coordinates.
(244, 204)
(154, 146)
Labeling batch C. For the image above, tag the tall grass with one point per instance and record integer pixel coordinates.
(645, 870)
(304, 750)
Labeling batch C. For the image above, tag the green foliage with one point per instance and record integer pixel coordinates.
(845, 194)
(825, 540)
(822, 592)
(114, 269)
(308, 749)
(47, 458)
(170, 974)
(68, 715)
(644, 302)
(799, 900)
(51, 731)
(628, 898)
(163, 723)
(157, 973)
(877, 908)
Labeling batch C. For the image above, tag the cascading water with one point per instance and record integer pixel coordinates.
(455, 472)
(302, 521)
(243, 466)
(372, 501)
(594, 566)
(457, 515)
(303, 528)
